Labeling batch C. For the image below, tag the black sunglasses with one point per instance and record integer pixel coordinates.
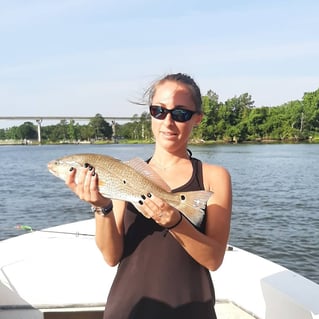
(178, 114)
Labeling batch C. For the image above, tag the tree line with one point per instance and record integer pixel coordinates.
(235, 120)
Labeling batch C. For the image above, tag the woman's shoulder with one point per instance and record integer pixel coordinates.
(214, 168)
(210, 168)
(213, 174)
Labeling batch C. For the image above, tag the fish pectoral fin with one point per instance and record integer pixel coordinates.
(144, 169)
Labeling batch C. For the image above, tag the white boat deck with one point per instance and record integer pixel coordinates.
(58, 275)
(224, 310)
(228, 310)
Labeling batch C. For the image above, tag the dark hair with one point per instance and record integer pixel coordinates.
(180, 78)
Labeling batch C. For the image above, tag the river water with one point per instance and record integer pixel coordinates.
(275, 195)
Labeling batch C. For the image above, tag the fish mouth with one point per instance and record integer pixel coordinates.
(52, 172)
(50, 168)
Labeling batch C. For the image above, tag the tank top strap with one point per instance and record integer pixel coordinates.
(198, 172)
(196, 181)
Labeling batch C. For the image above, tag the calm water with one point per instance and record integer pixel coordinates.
(275, 195)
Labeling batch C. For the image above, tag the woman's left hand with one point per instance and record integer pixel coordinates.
(159, 210)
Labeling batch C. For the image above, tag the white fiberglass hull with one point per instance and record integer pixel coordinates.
(56, 273)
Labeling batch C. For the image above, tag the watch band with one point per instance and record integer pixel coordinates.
(104, 211)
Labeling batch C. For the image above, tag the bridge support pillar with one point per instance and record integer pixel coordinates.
(39, 121)
(114, 132)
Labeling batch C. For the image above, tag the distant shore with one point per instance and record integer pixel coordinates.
(192, 142)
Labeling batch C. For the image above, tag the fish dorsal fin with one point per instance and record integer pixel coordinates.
(144, 169)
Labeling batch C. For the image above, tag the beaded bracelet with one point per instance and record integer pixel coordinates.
(103, 211)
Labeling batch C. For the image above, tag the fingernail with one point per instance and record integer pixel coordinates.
(149, 195)
(86, 165)
(71, 169)
(143, 197)
(90, 167)
(140, 202)
(93, 173)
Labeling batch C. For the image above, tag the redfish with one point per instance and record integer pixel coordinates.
(130, 179)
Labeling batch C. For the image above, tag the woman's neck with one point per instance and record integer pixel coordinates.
(164, 160)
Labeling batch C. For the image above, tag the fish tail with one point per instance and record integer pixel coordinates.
(192, 205)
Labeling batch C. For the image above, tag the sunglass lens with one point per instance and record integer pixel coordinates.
(158, 112)
(181, 115)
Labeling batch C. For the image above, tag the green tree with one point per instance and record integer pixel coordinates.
(101, 128)
(137, 129)
(255, 123)
(86, 132)
(62, 130)
(310, 114)
(144, 126)
(125, 130)
(2, 134)
(73, 131)
(13, 133)
(28, 131)
(234, 114)
(208, 127)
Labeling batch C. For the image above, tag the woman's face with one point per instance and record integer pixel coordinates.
(171, 134)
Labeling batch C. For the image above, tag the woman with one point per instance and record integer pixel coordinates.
(164, 260)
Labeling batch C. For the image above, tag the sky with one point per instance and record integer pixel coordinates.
(83, 57)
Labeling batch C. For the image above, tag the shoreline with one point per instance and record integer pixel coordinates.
(210, 142)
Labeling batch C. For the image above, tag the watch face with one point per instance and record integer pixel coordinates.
(102, 210)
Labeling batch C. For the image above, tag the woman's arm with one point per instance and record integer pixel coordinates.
(109, 228)
(109, 233)
(207, 249)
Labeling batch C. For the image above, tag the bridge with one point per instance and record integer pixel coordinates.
(39, 120)
(81, 118)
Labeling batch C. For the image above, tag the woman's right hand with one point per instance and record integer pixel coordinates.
(86, 187)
